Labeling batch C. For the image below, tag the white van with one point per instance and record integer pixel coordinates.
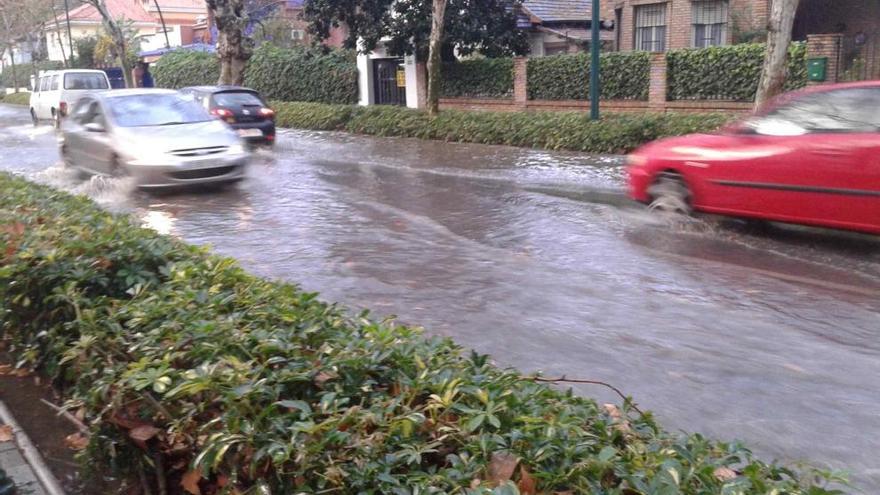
(55, 92)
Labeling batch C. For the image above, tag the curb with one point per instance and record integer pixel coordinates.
(23, 463)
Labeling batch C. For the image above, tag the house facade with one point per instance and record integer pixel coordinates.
(852, 26)
(85, 21)
(560, 26)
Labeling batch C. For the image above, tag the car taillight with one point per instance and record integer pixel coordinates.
(221, 112)
(62, 108)
(267, 112)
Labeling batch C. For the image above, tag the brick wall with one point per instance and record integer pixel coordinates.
(656, 98)
(830, 47)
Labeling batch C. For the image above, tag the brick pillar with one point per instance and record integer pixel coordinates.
(422, 85)
(829, 46)
(520, 83)
(657, 84)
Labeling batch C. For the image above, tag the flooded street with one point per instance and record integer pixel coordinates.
(769, 335)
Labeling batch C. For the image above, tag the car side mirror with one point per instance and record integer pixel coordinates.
(94, 127)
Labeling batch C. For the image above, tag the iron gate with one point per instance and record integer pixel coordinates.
(389, 81)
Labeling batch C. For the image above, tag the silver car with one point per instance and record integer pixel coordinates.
(160, 137)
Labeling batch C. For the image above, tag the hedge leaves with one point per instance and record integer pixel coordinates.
(625, 76)
(727, 72)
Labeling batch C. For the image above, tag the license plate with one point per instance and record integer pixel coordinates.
(250, 133)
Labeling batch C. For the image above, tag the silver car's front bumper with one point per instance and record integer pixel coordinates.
(209, 170)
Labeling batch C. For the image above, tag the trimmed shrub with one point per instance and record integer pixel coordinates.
(23, 98)
(298, 74)
(617, 133)
(182, 68)
(23, 73)
(483, 78)
(624, 76)
(182, 364)
(727, 72)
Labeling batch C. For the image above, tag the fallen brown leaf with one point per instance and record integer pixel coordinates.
(501, 467)
(190, 482)
(144, 433)
(21, 373)
(76, 441)
(6, 433)
(475, 483)
(724, 473)
(5, 369)
(526, 485)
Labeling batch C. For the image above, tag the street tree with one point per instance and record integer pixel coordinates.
(779, 27)
(115, 30)
(463, 27)
(234, 20)
(21, 21)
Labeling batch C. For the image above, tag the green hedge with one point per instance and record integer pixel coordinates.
(727, 72)
(484, 78)
(182, 363)
(303, 75)
(182, 68)
(294, 74)
(624, 76)
(616, 133)
(22, 98)
(23, 73)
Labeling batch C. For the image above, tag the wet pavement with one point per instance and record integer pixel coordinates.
(767, 335)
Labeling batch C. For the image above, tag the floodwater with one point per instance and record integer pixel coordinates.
(767, 335)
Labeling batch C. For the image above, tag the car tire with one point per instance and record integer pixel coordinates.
(670, 194)
(116, 168)
(34, 118)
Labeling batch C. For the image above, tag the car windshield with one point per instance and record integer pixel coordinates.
(85, 80)
(156, 109)
(236, 99)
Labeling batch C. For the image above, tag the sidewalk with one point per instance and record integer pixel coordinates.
(13, 461)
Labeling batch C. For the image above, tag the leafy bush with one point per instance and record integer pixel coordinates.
(553, 130)
(483, 78)
(183, 364)
(182, 68)
(23, 73)
(23, 98)
(727, 72)
(298, 74)
(624, 76)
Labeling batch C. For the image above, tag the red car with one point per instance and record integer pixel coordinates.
(810, 157)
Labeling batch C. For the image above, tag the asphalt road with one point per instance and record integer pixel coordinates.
(766, 335)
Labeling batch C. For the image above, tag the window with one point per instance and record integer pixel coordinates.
(54, 84)
(710, 23)
(85, 80)
(44, 83)
(297, 34)
(237, 100)
(651, 27)
(843, 110)
(155, 110)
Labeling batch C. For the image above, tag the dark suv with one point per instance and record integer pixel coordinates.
(242, 108)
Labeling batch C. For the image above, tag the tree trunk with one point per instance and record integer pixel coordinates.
(162, 20)
(435, 49)
(233, 49)
(60, 42)
(11, 48)
(772, 83)
(118, 37)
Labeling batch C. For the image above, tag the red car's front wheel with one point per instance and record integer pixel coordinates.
(670, 194)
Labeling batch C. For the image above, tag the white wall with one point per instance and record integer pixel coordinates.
(157, 41)
(365, 77)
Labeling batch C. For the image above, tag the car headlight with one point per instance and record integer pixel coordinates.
(634, 160)
(237, 149)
